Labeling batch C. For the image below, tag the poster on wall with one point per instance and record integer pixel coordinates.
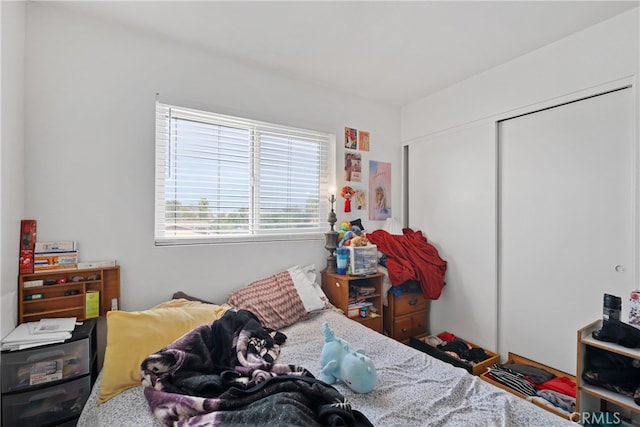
(379, 190)
(361, 200)
(352, 166)
(350, 138)
(363, 140)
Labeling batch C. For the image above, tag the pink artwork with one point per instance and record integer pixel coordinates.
(379, 190)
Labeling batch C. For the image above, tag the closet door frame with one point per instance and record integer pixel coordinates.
(553, 270)
(493, 317)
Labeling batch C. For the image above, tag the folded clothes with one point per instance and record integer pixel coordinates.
(599, 358)
(446, 336)
(558, 399)
(618, 332)
(592, 377)
(456, 346)
(462, 350)
(512, 379)
(433, 340)
(536, 375)
(564, 385)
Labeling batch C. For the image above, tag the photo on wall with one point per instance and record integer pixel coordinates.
(350, 138)
(363, 140)
(361, 200)
(352, 166)
(379, 190)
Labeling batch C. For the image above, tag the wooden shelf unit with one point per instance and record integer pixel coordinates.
(336, 287)
(56, 301)
(591, 398)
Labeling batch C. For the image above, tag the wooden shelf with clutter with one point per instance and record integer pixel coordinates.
(336, 287)
(63, 293)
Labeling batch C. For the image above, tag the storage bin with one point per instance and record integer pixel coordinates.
(472, 368)
(363, 260)
(42, 365)
(514, 358)
(47, 405)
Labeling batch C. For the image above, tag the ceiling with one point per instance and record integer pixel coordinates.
(391, 52)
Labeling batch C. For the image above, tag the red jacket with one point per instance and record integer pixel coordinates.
(411, 257)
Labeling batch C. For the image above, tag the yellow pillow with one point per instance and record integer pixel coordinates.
(132, 336)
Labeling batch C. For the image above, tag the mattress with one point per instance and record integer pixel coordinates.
(413, 388)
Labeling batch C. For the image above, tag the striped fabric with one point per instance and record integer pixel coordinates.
(274, 300)
(512, 379)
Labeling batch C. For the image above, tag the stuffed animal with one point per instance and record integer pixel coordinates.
(354, 237)
(359, 241)
(339, 362)
(345, 226)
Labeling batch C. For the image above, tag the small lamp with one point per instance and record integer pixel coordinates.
(331, 239)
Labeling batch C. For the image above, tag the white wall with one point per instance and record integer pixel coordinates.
(90, 93)
(602, 56)
(599, 54)
(11, 156)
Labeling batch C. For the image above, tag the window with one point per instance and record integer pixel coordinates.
(229, 179)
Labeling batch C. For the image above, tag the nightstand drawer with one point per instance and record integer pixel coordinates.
(409, 303)
(403, 329)
(46, 406)
(30, 368)
(410, 326)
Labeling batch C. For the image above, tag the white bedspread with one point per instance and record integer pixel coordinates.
(414, 389)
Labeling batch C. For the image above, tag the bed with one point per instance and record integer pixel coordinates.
(413, 388)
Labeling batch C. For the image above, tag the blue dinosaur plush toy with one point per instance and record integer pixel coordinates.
(339, 362)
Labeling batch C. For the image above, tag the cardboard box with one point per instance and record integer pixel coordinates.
(62, 246)
(92, 304)
(55, 261)
(27, 246)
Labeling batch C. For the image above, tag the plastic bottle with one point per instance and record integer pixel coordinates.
(612, 305)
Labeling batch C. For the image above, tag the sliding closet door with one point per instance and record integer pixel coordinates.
(452, 200)
(566, 212)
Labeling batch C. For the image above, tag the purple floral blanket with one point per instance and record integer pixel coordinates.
(225, 374)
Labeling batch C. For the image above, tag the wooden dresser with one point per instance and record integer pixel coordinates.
(406, 316)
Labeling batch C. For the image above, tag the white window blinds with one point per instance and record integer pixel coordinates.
(222, 178)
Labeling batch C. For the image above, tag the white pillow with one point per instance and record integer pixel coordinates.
(312, 274)
(307, 289)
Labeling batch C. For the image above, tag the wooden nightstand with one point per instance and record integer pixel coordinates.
(336, 287)
(406, 316)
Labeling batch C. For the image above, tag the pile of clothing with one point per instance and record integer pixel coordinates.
(410, 257)
(456, 347)
(537, 384)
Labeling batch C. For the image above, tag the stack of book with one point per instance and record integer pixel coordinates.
(55, 256)
(34, 334)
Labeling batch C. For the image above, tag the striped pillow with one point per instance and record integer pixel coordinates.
(274, 300)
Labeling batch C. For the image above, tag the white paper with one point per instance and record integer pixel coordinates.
(60, 324)
(21, 334)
